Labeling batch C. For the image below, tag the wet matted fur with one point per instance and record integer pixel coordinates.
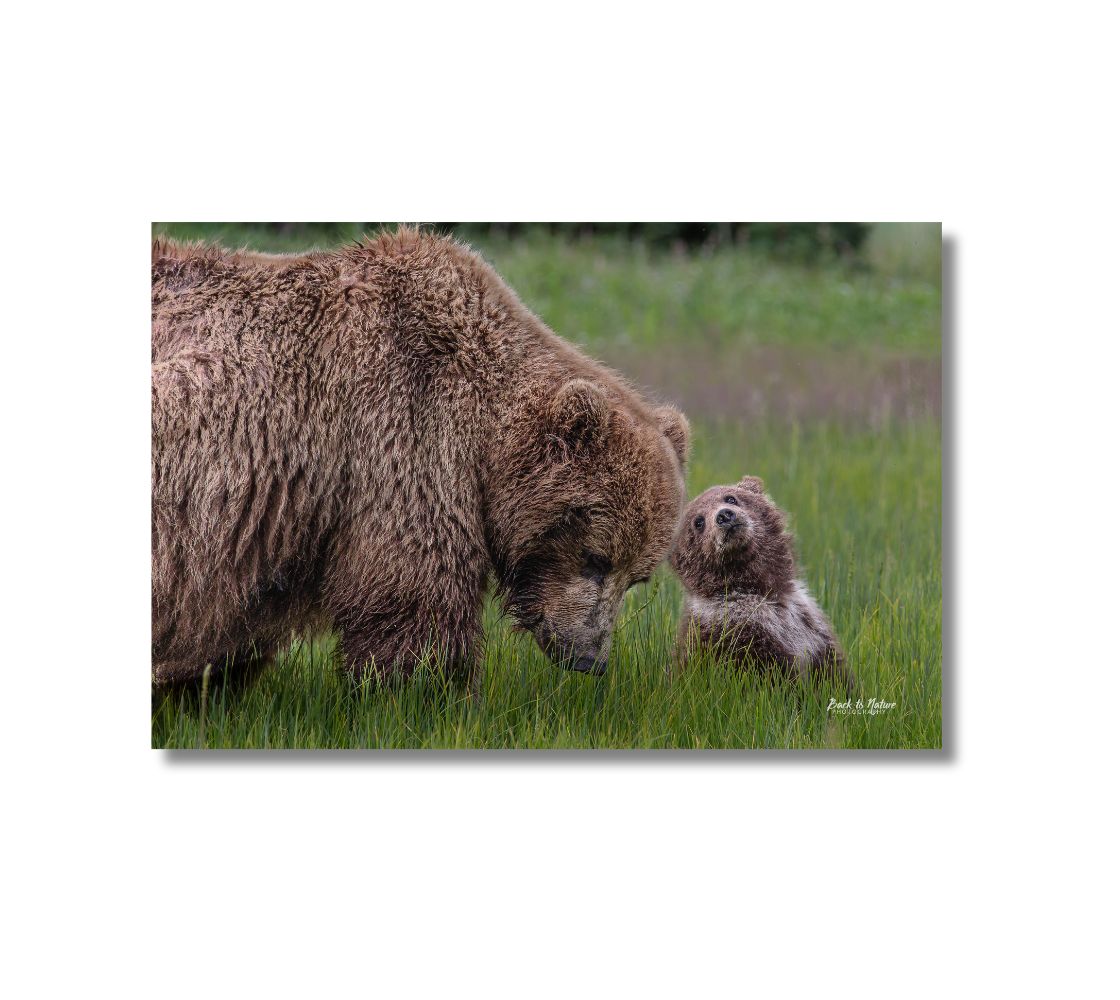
(743, 599)
(361, 438)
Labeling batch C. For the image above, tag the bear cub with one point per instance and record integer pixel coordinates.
(743, 599)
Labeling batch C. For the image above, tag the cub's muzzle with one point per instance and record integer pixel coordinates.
(731, 529)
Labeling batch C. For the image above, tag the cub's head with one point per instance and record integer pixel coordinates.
(733, 539)
(584, 502)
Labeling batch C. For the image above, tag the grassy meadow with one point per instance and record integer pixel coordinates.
(824, 381)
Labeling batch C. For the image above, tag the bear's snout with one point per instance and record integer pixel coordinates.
(588, 665)
(590, 659)
(725, 517)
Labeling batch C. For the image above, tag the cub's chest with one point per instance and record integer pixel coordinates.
(789, 623)
(733, 609)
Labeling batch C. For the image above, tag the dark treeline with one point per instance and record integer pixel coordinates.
(794, 240)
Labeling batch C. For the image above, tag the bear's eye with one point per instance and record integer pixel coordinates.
(595, 566)
(698, 524)
(731, 500)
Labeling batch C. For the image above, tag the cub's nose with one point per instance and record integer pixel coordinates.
(725, 516)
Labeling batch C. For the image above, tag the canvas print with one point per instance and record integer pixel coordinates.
(521, 486)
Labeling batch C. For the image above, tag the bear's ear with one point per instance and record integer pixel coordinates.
(579, 413)
(752, 484)
(674, 425)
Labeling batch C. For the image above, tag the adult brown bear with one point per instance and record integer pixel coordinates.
(358, 439)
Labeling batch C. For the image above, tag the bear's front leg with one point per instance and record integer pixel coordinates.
(392, 643)
(407, 600)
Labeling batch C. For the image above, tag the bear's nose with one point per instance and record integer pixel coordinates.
(725, 516)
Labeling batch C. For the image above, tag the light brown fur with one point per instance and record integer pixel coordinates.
(362, 438)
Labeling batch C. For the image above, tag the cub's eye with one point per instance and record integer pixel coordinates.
(731, 500)
(595, 566)
(698, 524)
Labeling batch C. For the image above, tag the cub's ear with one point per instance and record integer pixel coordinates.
(752, 483)
(674, 425)
(579, 413)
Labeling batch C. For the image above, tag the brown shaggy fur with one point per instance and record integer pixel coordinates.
(736, 561)
(360, 438)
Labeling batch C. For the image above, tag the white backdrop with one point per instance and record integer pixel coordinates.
(986, 868)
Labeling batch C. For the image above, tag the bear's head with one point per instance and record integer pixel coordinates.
(733, 541)
(584, 504)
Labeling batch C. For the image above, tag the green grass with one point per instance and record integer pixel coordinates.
(864, 500)
(866, 509)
